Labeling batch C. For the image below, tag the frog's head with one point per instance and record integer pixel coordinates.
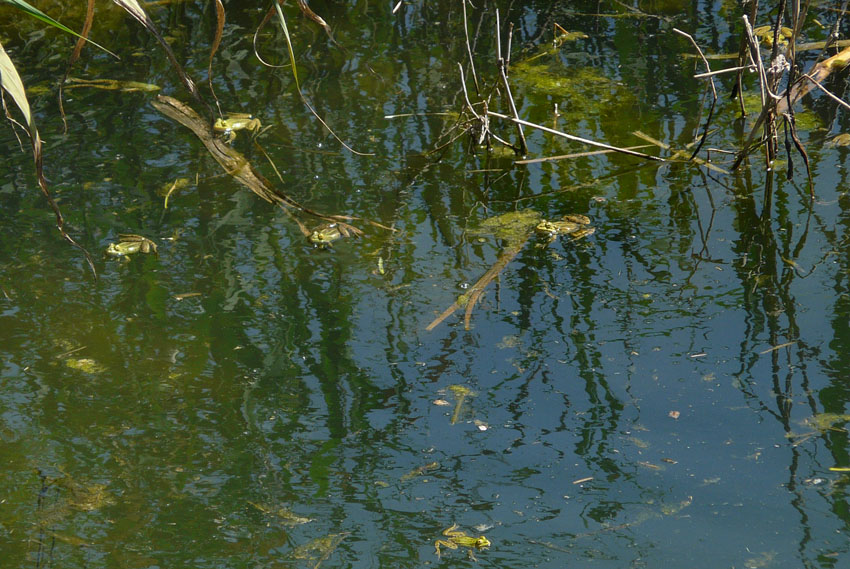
(319, 238)
(325, 235)
(546, 227)
(482, 542)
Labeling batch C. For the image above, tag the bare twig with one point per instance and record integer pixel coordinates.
(713, 92)
(679, 154)
(722, 71)
(768, 110)
(503, 75)
(482, 120)
(469, 50)
(575, 138)
(575, 155)
(219, 30)
(827, 92)
(512, 106)
(834, 34)
(790, 121)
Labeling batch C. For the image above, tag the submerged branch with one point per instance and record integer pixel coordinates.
(234, 163)
(470, 298)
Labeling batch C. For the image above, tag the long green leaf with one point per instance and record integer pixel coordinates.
(39, 15)
(11, 82)
(282, 19)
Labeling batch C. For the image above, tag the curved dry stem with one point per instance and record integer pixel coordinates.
(136, 11)
(78, 48)
(10, 81)
(219, 30)
(266, 18)
(276, 9)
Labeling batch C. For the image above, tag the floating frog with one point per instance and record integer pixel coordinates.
(820, 424)
(284, 515)
(228, 126)
(513, 227)
(575, 225)
(129, 244)
(88, 498)
(319, 549)
(420, 470)
(324, 235)
(76, 496)
(458, 538)
(842, 139)
(765, 35)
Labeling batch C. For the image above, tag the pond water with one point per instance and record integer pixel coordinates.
(670, 391)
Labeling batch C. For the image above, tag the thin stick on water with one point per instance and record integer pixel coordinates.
(713, 91)
(469, 50)
(504, 76)
(575, 138)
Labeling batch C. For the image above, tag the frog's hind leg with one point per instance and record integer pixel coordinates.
(444, 543)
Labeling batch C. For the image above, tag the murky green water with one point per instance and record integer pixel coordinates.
(294, 412)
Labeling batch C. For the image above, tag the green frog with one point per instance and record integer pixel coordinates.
(458, 538)
(575, 225)
(765, 35)
(324, 235)
(228, 126)
(130, 244)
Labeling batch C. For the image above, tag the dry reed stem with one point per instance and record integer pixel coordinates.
(677, 154)
(575, 155)
(576, 138)
(713, 92)
(469, 50)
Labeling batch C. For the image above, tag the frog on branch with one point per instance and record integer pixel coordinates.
(233, 122)
(457, 538)
(130, 244)
(574, 225)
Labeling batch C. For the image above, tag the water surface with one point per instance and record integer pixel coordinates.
(641, 396)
